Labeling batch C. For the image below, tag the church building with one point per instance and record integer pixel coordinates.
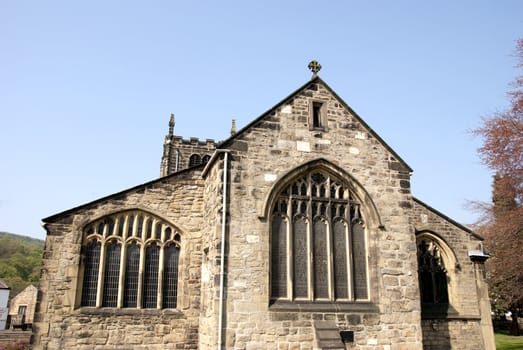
(298, 232)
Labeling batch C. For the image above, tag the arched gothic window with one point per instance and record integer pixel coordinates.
(318, 242)
(432, 273)
(135, 256)
(205, 159)
(194, 160)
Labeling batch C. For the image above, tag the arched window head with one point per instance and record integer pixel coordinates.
(205, 159)
(124, 255)
(432, 273)
(318, 241)
(194, 160)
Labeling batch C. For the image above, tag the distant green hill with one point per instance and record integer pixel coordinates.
(20, 261)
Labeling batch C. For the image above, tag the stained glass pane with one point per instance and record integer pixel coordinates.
(340, 260)
(279, 258)
(90, 283)
(170, 277)
(359, 261)
(150, 284)
(321, 258)
(131, 276)
(300, 258)
(112, 275)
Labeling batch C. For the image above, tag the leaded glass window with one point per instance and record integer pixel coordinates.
(194, 160)
(150, 284)
(111, 274)
(131, 275)
(136, 256)
(170, 276)
(91, 263)
(432, 273)
(318, 242)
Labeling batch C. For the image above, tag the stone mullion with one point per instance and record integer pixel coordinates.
(139, 297)
(330, 239)
(330, 250)
(135, 225)
(121, 280)
(123, 251)
(125, 226)
(144, 228)
(162, 234)
(310, 229)
(153, 229)
(161, 259)
(101, 274)
(290, 251)
(350, 261)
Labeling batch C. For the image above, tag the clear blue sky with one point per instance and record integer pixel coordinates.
(86, 88)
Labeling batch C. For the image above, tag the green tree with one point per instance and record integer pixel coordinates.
(20, 261)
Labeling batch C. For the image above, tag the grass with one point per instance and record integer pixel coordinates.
(508, 342)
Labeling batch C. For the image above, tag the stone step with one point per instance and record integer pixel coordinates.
(328, 336)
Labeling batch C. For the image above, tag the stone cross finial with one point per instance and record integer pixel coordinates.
(314, 67)
(171, 124)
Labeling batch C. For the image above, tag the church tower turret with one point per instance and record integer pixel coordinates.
(165, 167)
(179, 153)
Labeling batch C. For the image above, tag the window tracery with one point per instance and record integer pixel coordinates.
(318, 242)
(432, 273)
(135, 256)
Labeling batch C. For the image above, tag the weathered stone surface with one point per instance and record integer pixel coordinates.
(271, 149)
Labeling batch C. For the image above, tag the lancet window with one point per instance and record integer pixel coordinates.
(130, 260)
(318, 242)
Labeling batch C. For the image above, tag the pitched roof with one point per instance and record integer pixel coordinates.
(226, 143)
(445, 217)
(230, 140)
(102, 199)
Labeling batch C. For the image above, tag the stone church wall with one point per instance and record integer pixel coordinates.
(259, 161)
(61, 324)
(463, 328)
(276, 144)
(210, 284)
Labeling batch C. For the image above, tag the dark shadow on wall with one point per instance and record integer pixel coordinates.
(436, 335)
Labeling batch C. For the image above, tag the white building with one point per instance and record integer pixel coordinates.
(4, 310)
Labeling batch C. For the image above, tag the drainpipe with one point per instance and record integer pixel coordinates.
(222, 253)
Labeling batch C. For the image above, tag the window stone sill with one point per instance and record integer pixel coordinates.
(286, 306)
(112, 311)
